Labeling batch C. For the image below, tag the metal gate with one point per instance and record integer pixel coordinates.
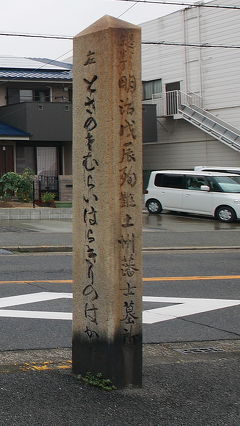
(42, 184)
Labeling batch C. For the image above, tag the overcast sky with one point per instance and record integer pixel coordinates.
(63, 17)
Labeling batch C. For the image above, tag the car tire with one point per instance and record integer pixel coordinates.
(225, 214)
(154, 206)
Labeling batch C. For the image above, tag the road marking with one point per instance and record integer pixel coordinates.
(150, 279)
(180, 307)
(33, 298)
(196, 277)
(36, 314)
(37, 281)
(39, 366)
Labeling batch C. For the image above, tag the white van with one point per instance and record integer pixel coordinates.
(208, 193)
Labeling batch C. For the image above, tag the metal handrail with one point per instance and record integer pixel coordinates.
(169, 103)
(176, 98)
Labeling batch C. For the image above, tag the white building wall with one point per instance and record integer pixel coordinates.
(158, 61)
(221, 67)
(186, 155)
(212, 73)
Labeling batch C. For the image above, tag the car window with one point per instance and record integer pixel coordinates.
(213, 184)
(194, 182)
(169, 181)
(229, 183)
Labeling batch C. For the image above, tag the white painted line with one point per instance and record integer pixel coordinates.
(181, 307)
(32, 298)
(36, 314)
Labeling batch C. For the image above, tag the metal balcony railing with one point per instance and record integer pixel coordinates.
(169, 103)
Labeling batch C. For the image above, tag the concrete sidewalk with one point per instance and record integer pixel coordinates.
(56, 235)
(166, 231)
(183, 385)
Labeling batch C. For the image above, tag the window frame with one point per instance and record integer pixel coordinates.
(152, 90)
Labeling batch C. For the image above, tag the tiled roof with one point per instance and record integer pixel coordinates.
(6, 130)
(34, 68)
(35, 74)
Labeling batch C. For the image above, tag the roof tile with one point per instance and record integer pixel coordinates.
(35, 74)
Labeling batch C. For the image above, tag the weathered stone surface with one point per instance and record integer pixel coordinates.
(107, 153)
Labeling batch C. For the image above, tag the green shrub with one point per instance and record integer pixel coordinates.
(17, 185)
(9, 184)
(47, 197)
(25, 185)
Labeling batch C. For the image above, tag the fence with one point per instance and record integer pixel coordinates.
(169, 103)
(42, 184)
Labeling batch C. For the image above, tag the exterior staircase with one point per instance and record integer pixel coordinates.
(188, 106)
(211, 124)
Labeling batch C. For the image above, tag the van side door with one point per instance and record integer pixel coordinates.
(194, 199)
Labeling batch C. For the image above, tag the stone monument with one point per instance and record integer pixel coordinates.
(107, 199)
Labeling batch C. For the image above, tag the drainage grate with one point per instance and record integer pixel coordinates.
(199, 350)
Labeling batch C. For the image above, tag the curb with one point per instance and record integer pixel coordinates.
(191, 248)
(35, 213)
(37, 249)
(61, 249)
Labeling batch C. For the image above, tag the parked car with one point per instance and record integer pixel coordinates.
(207, 193)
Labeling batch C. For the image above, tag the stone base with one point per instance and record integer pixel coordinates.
(116, 360)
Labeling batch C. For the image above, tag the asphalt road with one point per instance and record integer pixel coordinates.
(188, 296)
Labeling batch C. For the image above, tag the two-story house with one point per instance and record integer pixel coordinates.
(36, 118)
(192, 75)
(36, 121)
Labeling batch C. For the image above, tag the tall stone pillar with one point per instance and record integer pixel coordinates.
(107, 164)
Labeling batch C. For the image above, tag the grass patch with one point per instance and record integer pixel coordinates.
(99, 381)
(66, 204)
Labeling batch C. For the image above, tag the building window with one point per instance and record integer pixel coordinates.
(34, 95)
(47, 161)
(25, 158)
(26, 95)
(41, 160)
(151, 87)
